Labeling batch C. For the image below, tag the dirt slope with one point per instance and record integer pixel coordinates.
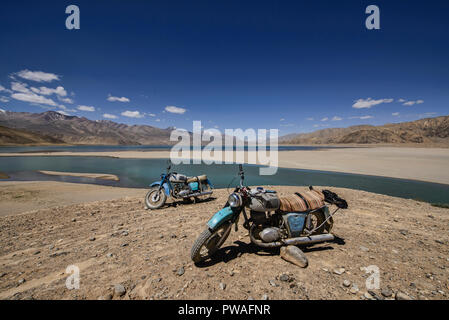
(118, 242)
(10, 136)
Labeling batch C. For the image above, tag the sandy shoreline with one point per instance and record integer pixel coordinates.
(424, 164)
(118, 242)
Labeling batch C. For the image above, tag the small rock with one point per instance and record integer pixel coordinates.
(386, 292)
(21, 281)
(181, 271)
(294, 255)
(364, 249)
(119, 290)
(2, 275)
(106, 297)
(346, 283)
(368, 296)
(375, 295)
(222, 285)
(273, 283)
(402, 296)
(265, 297)
(439, 241)
(173, 236)
(125, 233)
(284, 277)
(403, 232)
(109, 255)
(92, 238)
(124, 245)
(339, 271)
(354, 289)
(37, 252)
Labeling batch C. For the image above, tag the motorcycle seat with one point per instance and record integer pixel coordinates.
(197, 178)
(300, 202)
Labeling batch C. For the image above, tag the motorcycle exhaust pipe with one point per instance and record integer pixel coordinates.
(310, 239)
(293, 241)
(198, 194)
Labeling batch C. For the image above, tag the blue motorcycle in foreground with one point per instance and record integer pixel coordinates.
(274, 221)
(177, 186)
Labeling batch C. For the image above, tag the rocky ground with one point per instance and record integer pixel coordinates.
(126, 252)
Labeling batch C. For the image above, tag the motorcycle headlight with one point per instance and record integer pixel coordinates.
(235, 200)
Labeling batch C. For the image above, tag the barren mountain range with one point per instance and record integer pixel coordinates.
(79, 130)
(54, 128)
(432, 131)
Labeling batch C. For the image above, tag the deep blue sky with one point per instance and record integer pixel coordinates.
(232, 63)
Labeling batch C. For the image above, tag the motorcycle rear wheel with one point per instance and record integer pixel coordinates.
(209, 242)
(155, 198)
(317, 219)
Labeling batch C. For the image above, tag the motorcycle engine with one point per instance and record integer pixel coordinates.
(184, 192)
(270, 234)
(258, 217)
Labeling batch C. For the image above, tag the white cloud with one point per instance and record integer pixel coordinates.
(63, 112)
(310, 119)
(119, 99)
(362, 117)
(282, 119)
(401, 100)
(86, 108)
(132, 114)
(4, 99)
(337, 118)
(60, 91)
(2, 88)
(33, 98)
(173, 109)
(158, 120)
(66, 100)
(412, 102)
(151, 114)
(368, 103)
(325, 119)
(109, 116)
(20, 87)
(37, 76)
(395, 114)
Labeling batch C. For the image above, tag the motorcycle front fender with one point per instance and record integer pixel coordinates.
(164, 185)
(222, 216)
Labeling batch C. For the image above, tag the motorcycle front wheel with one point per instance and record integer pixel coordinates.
(155, 198)
(209, 242)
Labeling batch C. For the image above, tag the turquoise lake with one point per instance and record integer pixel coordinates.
(140, 173)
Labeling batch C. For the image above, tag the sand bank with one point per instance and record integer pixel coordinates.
(102, 176)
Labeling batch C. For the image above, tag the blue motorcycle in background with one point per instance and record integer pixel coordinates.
(177, 186)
